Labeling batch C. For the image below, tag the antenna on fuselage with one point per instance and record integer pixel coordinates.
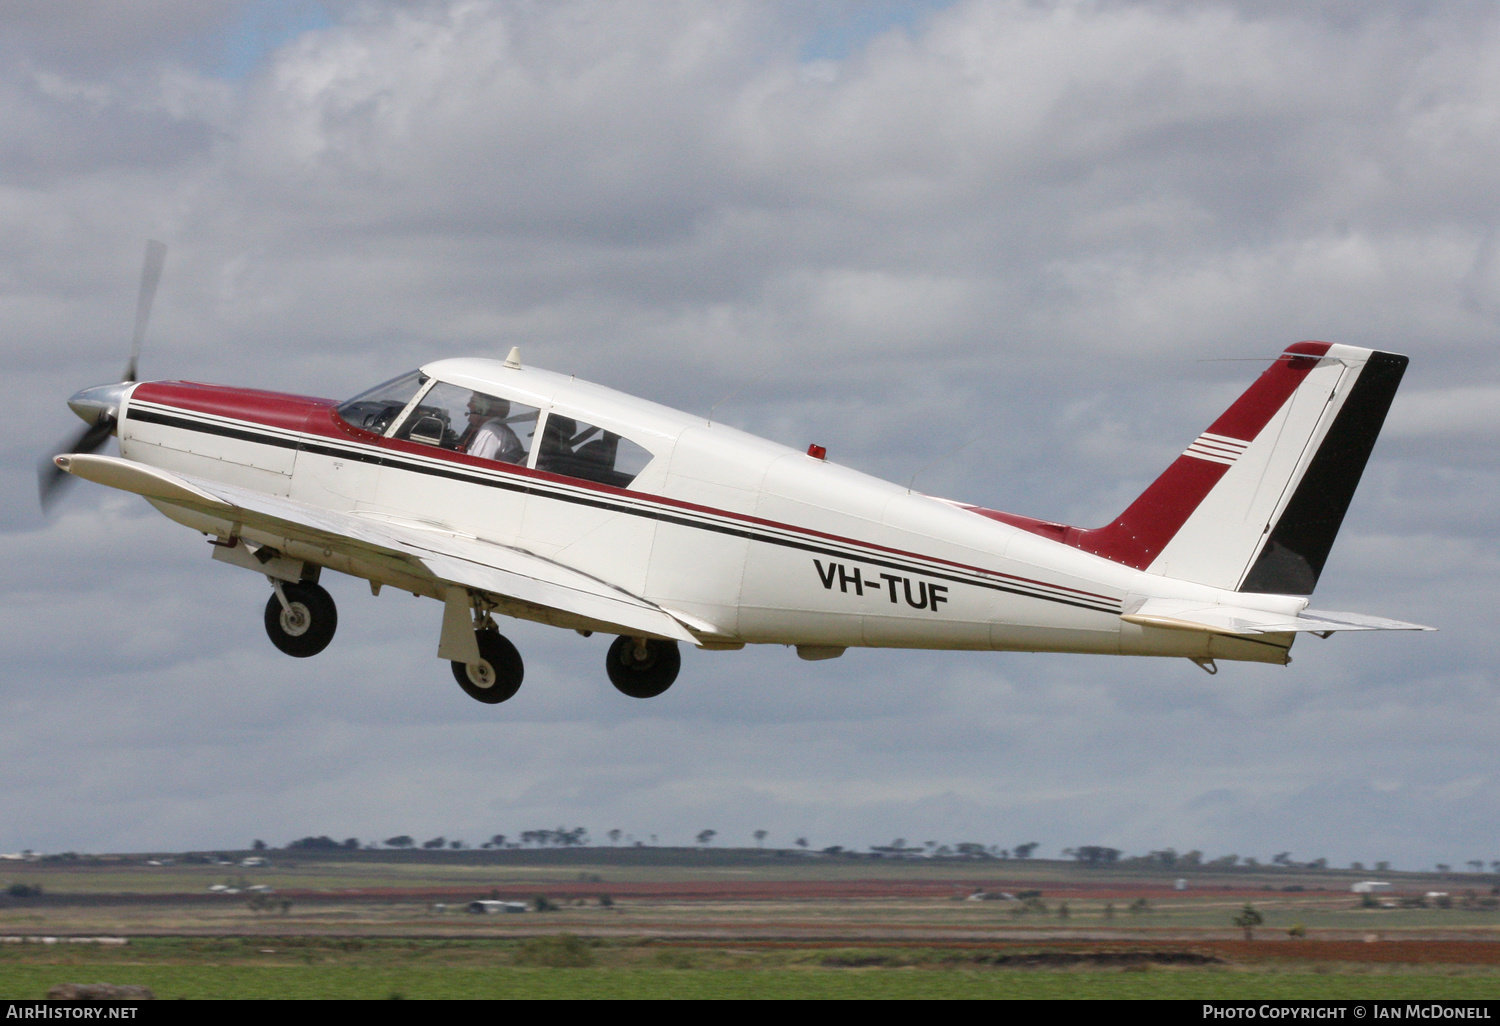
(929, 465)
(737, 391)
(513, 361)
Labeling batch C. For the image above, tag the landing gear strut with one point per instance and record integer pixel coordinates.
(642, 667)
(497, 675)
(301, 618)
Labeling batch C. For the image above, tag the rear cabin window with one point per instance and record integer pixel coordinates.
(576, 449)
(463, 420)
(375, 409)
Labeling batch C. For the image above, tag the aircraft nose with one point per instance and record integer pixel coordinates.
(100, 401)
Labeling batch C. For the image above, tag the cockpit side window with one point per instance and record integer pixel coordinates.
(375, 409)
(576, 449)
(463, 420)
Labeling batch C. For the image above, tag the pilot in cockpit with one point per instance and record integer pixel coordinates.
(488, 436)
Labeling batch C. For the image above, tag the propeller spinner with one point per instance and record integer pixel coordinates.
(99, 407)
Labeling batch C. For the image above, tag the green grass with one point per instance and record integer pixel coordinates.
(433, 982)
(565, 966)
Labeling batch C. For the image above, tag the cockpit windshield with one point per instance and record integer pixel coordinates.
(414, 408)
(375, 409)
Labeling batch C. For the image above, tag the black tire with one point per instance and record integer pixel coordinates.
(307, 628)
(644, 678)
(497, 676)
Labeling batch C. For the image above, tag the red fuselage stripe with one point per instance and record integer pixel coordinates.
(1137, 537)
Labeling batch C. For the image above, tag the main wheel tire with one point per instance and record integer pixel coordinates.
(307, 627)
(497, 676)
(642, 678)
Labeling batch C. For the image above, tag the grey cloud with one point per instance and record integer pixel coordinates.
(1467, 411)
(108, 35)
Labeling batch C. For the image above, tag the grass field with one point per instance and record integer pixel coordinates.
(731, 925)
(539, 968)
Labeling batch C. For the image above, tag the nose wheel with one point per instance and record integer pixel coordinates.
(497, 675)
(301, 618)
(642, 667)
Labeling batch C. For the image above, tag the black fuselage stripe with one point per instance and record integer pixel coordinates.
(208, 428)
(397, 461)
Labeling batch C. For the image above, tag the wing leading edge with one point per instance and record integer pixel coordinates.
(449, 559)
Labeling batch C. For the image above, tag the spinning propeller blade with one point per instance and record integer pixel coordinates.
(156, 256)
(94, 405)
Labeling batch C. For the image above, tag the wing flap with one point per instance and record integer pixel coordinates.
(522, 575)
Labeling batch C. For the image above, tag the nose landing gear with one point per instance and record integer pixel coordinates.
(642, 667)
(301, 618)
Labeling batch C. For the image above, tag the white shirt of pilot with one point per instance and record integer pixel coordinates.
(495, 441)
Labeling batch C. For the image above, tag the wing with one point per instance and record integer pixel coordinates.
(1179, 615)
(427, 551)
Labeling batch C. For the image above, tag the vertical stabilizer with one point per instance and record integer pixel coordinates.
(1255, 502)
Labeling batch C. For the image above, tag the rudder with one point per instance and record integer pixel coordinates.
(1297, 546)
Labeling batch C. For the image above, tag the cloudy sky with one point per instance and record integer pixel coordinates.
(1070, 231)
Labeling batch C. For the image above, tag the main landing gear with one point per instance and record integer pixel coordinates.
(497, 675)
(642, 667)
(301, 618)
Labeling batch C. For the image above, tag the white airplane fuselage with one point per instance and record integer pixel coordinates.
(742, 539)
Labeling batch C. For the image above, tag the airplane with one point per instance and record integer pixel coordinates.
(501, 489)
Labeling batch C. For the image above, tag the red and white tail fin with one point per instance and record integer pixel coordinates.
(1255, 502)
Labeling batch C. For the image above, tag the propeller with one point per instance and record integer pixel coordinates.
(99, 407)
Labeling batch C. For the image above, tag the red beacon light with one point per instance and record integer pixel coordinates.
(817, 452)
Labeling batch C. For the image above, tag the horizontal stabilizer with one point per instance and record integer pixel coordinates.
(1215, 619)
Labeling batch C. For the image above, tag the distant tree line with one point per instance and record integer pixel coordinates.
(323, 843)
(1092, 855)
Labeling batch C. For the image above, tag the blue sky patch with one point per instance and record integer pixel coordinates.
(843, 29)
(262, 28)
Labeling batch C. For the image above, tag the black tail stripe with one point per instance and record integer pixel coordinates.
(1298, 546)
